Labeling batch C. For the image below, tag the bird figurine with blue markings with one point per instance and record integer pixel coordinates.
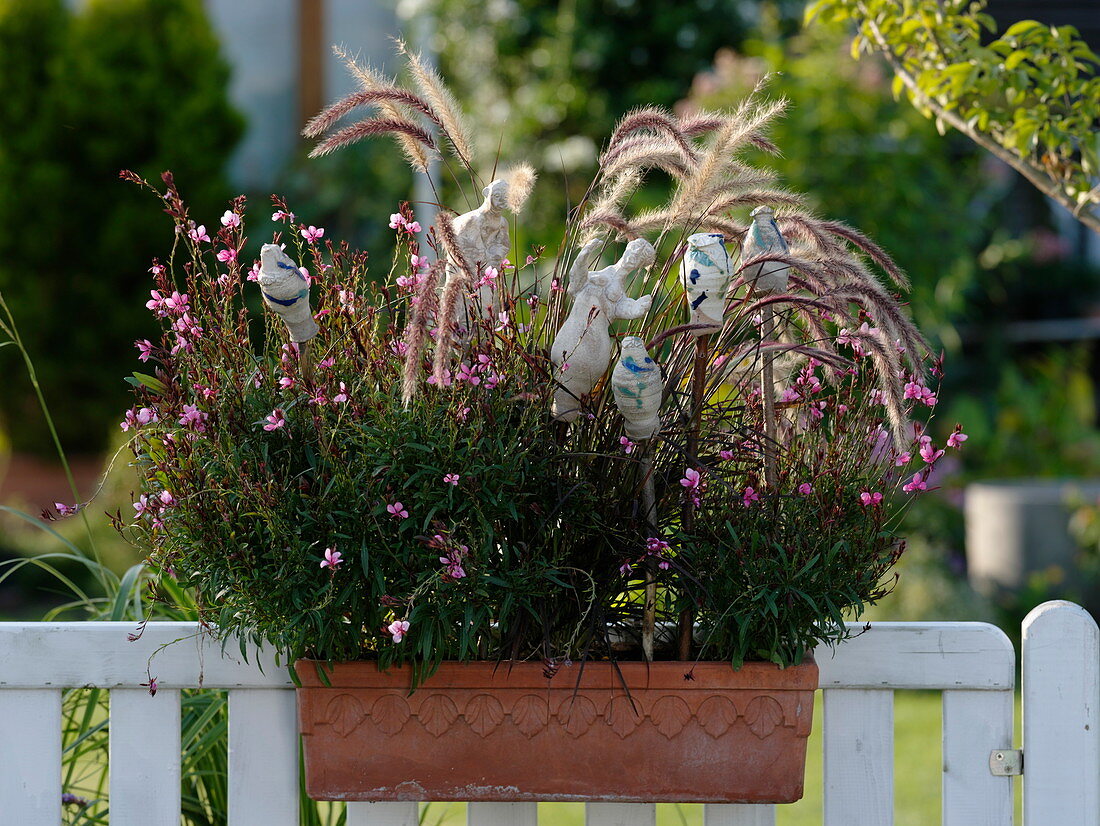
(705, 273)
(637, 384)
(764, 238)
(286, 292)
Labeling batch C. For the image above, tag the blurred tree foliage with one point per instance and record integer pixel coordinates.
(545, 82)
(866, 159)
(119, 84)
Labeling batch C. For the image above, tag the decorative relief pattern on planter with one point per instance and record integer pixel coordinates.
(437, 713)
(477, 731)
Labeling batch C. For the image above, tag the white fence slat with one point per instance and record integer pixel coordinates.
(974, 724)
(737, 814)
(263, 758)
(620, 814)
(30, 757)
(1061, 682)
(402, 813)
(905, 655)
(859, 757)
(99, 655)
(502, 814)
(145, 757)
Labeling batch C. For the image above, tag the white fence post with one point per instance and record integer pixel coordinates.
(30, 756)
(1061, 681)
(145, 756)
(384, 814)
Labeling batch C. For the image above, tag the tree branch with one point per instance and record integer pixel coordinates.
(1040, 180)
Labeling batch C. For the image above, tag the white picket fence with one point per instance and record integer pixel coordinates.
(973, 664)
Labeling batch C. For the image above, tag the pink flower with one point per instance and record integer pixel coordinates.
(332, 559)
(254, 273)
(903, 459)
(725, 455)
(447, 380)
(462, 414)
(653, 545)
(624, 569)
(167, 499)
(412, 227)
(916, 484)
(419, 263)
(398, 629)
(286, 383)
(691, 479)
(956, 439)
(805, 489)
(788, 395)
(145, 349)
(275, 420)
(493, 379)
(868, 498)
(312, 234)
(451, 479)
(749, 497)
(198, 233)
(627, 445)
(65, 510)
(467, 373)
(230, 219)
(142, 505)
(342, 396)
(488, 278)
(396, 220)
(227, 255)
(280, 215)
(927, 451)
(193, 418)
(397, 510)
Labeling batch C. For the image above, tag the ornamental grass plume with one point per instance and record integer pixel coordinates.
(411, 498)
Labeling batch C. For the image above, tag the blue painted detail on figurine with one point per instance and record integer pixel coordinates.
(290, 302)
(699, 300)
(634, 367)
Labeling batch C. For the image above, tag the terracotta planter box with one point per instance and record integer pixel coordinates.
(476, 731)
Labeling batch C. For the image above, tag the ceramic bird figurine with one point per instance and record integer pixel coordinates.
(581, 351)
(638, 384)
(705, 273)
(763, 238)
(286, 292)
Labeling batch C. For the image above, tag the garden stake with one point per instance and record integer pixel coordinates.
(698, 390)
(767, 390)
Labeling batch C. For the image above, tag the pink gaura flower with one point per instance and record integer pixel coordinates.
(280, 215)
(488, 278)
(332, 559)
(927, 451)
(419, 263)
(917, 483)
(462, 414)
(691, 479)
(447, 379)
(166, 498)
(65, 510)
(398, 629)
(342, 396)
(903, 459)
(957, 438)
(655, 545)
(468, 373)
(254, 273)
(868, 498)
(451, 479)
(805, 489)
(227, 255)
(749, 497)
(627, 445)
(286, 383)
(198, 233)
(276, 420)
(145, 349)
(396, 220)
(412, 227)
(312, 234)
(397, 510)
(142, 505)
(624, 569)
(194, 418)
(230, 219)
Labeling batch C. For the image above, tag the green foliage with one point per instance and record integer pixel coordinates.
(866, 159)
(1030, 95)
(133, 83)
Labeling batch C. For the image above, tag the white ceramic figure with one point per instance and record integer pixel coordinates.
(483, 240)
(581, 351)
(286, 292)
(763, 238)
(638, 384)
(705, 272)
